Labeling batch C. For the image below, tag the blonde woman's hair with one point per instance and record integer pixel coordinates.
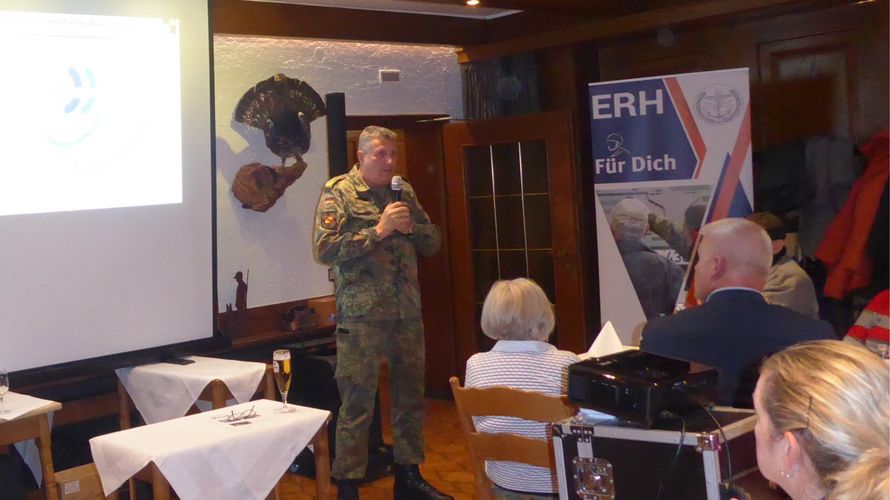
(835, 397)
(517, 310)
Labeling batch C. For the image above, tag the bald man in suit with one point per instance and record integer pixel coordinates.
(734, 328)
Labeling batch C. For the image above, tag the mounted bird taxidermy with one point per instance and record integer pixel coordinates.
(282, 108)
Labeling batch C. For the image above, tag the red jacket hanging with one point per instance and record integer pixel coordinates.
(843, 249)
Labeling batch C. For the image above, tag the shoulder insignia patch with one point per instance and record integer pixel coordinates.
(333, 181)
(328, 220)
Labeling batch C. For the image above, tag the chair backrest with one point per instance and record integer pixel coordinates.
(506, 402)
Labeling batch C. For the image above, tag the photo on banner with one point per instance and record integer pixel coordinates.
(670, 154)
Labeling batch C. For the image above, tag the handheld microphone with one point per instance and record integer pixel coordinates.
(396, 186)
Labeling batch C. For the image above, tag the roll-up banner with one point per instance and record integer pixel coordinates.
(670, 153)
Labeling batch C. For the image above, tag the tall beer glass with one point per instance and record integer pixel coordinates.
(281, 368)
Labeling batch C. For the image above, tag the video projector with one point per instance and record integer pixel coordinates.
(638, 386)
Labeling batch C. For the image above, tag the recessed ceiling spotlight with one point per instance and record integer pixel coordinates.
(472, 3)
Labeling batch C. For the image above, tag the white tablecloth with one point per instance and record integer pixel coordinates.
(18, 405)
(202, 457)
(162, 391)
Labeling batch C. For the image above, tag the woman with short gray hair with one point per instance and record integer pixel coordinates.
(519, 316)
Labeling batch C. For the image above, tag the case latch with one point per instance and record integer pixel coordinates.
(593, 479)
(708, 441)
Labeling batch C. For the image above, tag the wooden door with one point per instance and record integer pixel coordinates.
(513, 212)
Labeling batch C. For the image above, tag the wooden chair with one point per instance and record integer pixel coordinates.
(503, 401)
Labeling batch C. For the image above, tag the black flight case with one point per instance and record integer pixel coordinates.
(682, 459)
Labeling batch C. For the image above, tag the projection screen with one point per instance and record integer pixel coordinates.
(106, 178)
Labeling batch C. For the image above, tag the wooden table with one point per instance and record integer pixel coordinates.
(35, 425)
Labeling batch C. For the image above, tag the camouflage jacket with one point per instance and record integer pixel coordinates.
(374, 279)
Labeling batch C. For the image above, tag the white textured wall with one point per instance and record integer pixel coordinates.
(276, 245)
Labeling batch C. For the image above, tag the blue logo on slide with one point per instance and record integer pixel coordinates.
(77, 119)
(637, 134)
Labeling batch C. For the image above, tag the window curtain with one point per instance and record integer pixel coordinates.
(500, 87)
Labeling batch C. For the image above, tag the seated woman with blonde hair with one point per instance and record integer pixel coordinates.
(518, 315)
(823, 422)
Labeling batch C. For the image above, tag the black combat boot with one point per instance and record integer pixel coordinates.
(410, 485)
(347, 489)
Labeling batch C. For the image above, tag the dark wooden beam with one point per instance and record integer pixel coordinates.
(239, 17)
(583, 8)
(605, 29)
(358, 122)
(528, 23)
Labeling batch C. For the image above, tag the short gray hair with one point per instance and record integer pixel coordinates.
(374, 132)
(745, 245)
(629, 219)
(517, 310)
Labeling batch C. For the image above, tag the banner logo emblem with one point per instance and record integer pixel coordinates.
(718, 104)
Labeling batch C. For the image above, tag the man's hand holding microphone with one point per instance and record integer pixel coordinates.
(396, 216)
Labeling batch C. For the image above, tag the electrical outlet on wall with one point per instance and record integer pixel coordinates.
(389, 75)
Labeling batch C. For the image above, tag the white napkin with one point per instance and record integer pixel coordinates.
(607, 342)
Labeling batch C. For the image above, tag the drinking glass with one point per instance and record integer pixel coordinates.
(4, 387)
(282, 370)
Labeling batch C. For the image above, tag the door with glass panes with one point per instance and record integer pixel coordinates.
(513, 212)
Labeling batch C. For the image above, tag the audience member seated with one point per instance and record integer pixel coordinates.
(823, 422)
(518, 315)
(872, 327)
(734, 329)
(787, 283)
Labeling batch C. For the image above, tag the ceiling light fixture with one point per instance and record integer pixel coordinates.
(472, 3)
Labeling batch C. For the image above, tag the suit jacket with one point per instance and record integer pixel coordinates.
(733, 331)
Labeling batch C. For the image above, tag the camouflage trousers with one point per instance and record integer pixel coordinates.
(360, 348)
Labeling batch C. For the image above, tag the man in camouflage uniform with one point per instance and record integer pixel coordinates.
(371, 241)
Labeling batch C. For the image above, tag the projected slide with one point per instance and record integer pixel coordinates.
(91, 112)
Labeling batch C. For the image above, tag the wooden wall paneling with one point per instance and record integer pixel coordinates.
(808, 87)
(563, 75)
(874, 99)
(623, 26)
(458, 242)
(426, 173)
(700, 49)
(814, 71)
(239, 17)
